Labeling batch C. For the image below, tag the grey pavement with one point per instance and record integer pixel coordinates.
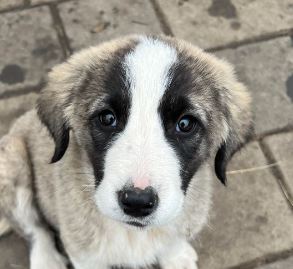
(244, 225)
(266, 68)
(30, 47)
(251, 223)
(106, 20)
(6, 4)
(213, 23)
(14, 252)
(281, 148)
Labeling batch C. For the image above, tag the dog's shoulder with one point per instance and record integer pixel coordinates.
(29, 128)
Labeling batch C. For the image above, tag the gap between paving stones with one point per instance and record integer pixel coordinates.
(277, 172)
(272, 164)
(60, 29)
(252, 40)
(265, 260)
(22, 91)
(27, 5)
(284, 129)
(166, 28)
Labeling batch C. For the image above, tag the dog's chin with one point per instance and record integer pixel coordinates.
(137, 224)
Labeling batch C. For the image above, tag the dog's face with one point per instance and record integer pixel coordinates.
(148, 112)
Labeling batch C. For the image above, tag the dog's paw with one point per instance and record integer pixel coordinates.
(184, 258)
(46, 257)
(48, 261)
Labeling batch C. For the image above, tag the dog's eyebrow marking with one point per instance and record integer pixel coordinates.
(96, 104)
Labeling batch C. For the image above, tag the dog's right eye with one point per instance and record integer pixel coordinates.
(107, 118)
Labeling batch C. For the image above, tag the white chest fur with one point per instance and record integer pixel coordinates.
(120, 245)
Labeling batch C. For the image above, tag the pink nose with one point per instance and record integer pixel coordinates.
(141, 183)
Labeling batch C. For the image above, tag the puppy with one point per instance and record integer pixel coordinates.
(137, 125)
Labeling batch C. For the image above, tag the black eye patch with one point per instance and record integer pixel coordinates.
(188, 146)
(115, 108)
(111, 114)
(114, 111)
(187, 77)
(172, 108)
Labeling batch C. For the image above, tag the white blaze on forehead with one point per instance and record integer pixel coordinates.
(148, 67)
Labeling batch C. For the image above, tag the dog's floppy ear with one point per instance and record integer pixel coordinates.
(52, 104)
(240, 128)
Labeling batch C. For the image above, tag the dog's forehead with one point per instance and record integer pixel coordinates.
(148, 68)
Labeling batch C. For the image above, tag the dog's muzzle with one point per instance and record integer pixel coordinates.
(138, 203)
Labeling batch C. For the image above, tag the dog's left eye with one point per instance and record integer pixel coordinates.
(107, 118)
(186, 124)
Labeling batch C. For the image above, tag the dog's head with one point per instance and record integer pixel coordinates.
(148, 112)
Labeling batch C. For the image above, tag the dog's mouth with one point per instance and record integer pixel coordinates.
(136, 224)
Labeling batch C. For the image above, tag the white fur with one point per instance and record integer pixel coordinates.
(141, 151)
(181, 255)
(4, 226)
(143, 247)
(43, 253)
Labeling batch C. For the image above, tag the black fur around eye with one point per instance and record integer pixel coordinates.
(186, 124)
(107, 118)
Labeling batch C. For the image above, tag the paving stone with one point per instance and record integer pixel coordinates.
(283, 264)
(267, 69)
(250, 218)
(13, 252)
(6, 4)
(89, 22)
(28, 47)
(210, 23)
(12, 108)
(282, 149)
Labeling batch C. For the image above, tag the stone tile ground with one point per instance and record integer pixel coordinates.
(251, 224)
(211, 23)
(29, 48)
(282, 149)
(243, 223)
(106, 20)
(6, 4)
(14, 252)
(12, 108)
(266, 68)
